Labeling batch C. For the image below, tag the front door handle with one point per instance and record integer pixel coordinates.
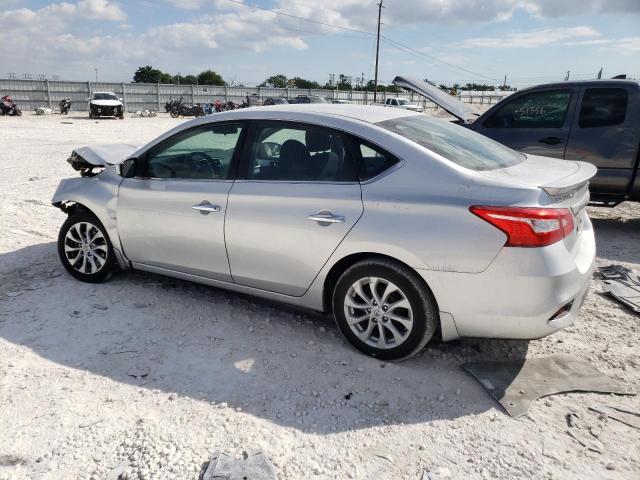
(326, 218)
(205, 208)
(552, 140)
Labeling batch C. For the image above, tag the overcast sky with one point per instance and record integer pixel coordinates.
(530, 41)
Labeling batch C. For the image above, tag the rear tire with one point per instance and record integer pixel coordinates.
(384, 310)
(84, 248)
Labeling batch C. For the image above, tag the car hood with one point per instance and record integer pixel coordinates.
(107, 103)
(101, 155)
(463, 111)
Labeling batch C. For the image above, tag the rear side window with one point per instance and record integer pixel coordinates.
(454, 142)
(603, 107)
(546, 109)
(301, 153)
(371, 161)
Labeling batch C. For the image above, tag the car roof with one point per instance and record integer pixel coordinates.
(365, 113)
(586, 83)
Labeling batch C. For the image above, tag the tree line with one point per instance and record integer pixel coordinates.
(148, 74)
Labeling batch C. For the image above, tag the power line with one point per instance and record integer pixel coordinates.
(278, 12)
(389, 40)
(401, 46)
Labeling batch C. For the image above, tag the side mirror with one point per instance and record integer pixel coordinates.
(120, 98)
(127, 169)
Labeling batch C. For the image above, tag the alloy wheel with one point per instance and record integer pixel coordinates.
(378, 312)
(85, 248)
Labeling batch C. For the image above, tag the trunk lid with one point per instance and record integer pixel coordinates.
(462, 111)
(565, 183)
(558, 178)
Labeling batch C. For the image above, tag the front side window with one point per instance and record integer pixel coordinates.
(199, 154)
(299, 153)
(546, 109)
(603, 107)
(455, 143)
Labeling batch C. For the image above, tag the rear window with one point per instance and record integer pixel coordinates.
(454, 142)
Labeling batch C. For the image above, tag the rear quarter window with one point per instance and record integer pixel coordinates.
(603, 107)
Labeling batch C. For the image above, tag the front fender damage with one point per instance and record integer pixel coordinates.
(98, 195)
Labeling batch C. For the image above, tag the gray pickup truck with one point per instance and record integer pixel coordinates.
(596, 121)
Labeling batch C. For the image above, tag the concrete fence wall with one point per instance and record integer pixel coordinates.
(31, 94)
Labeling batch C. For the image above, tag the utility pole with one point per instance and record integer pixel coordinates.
(566, 78)
(375, 84)
(96, 69)
(600, 73)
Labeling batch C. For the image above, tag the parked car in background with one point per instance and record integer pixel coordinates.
(399, 224)
(341, 101)
(309, 99)
(275, 101)
(402, 103)
(105, 104)
(596, 121)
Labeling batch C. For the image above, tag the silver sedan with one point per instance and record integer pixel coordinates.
(402, 226)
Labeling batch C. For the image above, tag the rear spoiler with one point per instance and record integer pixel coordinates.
(571, 183)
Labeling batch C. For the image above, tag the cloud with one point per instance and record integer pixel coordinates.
(63, 33)
(361, 13)
(628, 45)
(533, 39)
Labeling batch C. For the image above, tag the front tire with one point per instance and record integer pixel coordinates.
(84, 248)
(384, 310)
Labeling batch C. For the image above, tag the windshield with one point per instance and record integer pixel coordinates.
(454, 142)
(104, 96)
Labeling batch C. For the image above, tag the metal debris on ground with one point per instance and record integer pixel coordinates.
(252, 466)
(43, 110)
(631, 419)
(516, 384)
(622, 284)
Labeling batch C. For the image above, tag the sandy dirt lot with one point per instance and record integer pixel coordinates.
(150, 375)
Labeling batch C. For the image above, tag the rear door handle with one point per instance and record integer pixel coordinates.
(326, 217)
(206, 208)
(552, 140)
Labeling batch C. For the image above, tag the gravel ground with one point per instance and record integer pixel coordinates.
(144, 377)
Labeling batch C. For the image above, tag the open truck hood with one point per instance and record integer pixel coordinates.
(463, 111)
(100, 155)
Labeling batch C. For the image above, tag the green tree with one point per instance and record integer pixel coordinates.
(209, 77)
(148, 74)
(298, 82)
(344, 82)
(275, 81)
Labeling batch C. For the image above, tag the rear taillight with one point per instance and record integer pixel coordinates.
(528, 227)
